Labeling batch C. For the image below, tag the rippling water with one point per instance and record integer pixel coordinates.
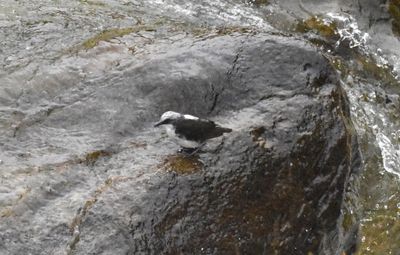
(374, 106)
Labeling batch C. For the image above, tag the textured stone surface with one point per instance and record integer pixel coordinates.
(94, 178)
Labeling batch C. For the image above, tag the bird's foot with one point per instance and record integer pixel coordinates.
(187, 151)
(190, 151)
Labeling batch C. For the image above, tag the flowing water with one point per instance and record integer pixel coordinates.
(374, 104)
(45, 49)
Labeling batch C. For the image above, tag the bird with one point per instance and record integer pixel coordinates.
(188, 131)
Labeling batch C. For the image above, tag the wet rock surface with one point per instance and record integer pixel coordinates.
(276, 184)
(96, 178)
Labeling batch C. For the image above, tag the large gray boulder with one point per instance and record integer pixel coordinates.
(275, 185)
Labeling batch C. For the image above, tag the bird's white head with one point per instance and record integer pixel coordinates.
(167, 117)
(170, 115)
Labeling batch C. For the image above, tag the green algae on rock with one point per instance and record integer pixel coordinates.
(199, 31)
(182, 164)
(318, 25)
(381, 229)
(92, 2)
(92, 157)
(364, 65)
(109, 34)
(394, 11)
(258, 2)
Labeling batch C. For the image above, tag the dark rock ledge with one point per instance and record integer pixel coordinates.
(276, 185)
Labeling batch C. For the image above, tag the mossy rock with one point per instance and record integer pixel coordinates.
(110, 34)
(394, 11)
(365, 66)
(182, 164)
(381, 73)
(259, 2)
(92, 157)
(319, 26)
(233, 29)
(7, 212)
(380, 233)
(91, 2)
(199, 31)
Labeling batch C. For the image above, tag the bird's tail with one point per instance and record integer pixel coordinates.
(225, 130)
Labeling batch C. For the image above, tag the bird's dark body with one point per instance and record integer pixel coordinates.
(188, 131)
(198, 130)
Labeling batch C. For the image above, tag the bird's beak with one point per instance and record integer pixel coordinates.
(159, 123)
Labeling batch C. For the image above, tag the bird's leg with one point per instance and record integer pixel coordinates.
(196, 149)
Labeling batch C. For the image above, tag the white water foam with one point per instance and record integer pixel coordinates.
(348, 30)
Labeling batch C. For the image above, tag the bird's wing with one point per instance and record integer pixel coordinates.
(197, 130)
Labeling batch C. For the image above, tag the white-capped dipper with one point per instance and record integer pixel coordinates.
(188, 131)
